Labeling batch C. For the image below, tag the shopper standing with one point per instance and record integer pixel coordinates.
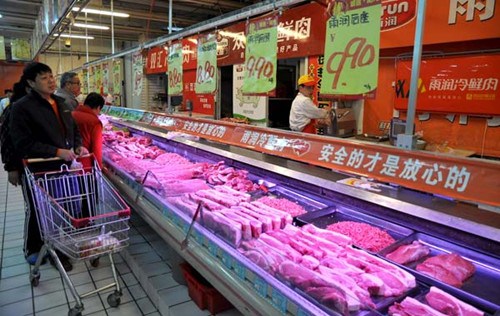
(12, 163)
(4, 103)
(86, 117)
(41, 126)
(303, 110)
(69, 89)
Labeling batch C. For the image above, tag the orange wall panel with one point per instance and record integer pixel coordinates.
(10, 74)
(475, 136)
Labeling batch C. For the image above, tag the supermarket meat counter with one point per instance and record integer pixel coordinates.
(280, 237)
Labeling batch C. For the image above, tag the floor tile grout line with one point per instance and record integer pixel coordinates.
(4, 220)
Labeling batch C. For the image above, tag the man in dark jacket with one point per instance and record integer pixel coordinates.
(41, 126)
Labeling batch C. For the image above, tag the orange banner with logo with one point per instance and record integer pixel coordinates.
(456, 177)
(467, 85)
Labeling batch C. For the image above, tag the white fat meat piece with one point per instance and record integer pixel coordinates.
(448, 304)
(208, 204)
(411, 307)
(267, 224)
(224, 227)
(241, 196)
(276, 220)
(246, 229)
(254, 223)
(363, 296)
(334, 237)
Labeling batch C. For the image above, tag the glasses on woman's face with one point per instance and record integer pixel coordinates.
(78, 83)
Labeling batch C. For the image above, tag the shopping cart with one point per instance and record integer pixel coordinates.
(79, 214)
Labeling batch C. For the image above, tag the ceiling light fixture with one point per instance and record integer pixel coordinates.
(1, 16)
(102, 12)
(91, 26)
(74, 36)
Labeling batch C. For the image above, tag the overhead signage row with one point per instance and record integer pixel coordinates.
(445, 22)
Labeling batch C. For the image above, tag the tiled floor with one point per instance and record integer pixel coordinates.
(143, 268)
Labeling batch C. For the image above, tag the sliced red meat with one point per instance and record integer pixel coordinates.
(408, 253)
(448, 268)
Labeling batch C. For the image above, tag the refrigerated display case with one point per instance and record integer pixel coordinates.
(405, 214)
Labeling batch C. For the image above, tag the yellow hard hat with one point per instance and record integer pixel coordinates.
(306, 80)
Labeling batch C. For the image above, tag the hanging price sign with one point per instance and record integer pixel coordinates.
(352, 48)
(137, 70)
(206, 70)
(260, 56)
(175, 69)
(117, 76)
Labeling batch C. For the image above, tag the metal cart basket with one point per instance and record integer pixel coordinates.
(79, 214)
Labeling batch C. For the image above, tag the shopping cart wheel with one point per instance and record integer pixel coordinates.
(94, 262)
(35, 280)
(114, 299)
(75, 311)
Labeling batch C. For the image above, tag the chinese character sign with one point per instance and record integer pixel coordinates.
(20, 49)
(260, 56)
(137, 69)
(466, 85)
(175, 69)
(206, 70)
(352, 50)
(105, 78)
(117, 81)
(2, 48)
(252, 107)
(98, 78)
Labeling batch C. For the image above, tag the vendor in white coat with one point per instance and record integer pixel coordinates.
(304, 111)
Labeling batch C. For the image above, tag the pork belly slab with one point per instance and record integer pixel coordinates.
(450, 305)
(409, 253)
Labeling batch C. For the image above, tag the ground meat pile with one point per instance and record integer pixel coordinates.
(363, 235)
(282, 204)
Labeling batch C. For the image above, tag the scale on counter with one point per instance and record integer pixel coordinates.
(342, 121)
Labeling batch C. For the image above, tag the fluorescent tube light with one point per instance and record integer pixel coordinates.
(102, 12)
(74, 36)
(91, 26)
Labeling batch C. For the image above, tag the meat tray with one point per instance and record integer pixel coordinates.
(308, 202)
(482, 289)
(381, 303)
(340, 213)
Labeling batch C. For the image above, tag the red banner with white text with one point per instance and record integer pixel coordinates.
(466, 85)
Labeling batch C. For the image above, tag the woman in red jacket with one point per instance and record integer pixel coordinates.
(86, 117)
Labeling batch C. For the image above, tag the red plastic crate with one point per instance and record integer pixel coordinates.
(202, 292)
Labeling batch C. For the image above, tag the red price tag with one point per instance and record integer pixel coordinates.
(174, 78)
(205, 73)
(259, 67)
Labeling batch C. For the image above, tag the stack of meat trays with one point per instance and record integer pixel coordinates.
(470, 276)
(366, 236)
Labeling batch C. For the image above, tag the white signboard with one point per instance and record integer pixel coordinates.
(252, 107)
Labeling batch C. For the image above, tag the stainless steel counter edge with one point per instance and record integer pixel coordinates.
(395, 202)
(243, 297)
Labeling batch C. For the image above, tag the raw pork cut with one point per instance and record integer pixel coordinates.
(411, 307)
(448, 268)
(409, 253)
(294, 209)
(450, 305)
(314, 284)
(363, 235)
